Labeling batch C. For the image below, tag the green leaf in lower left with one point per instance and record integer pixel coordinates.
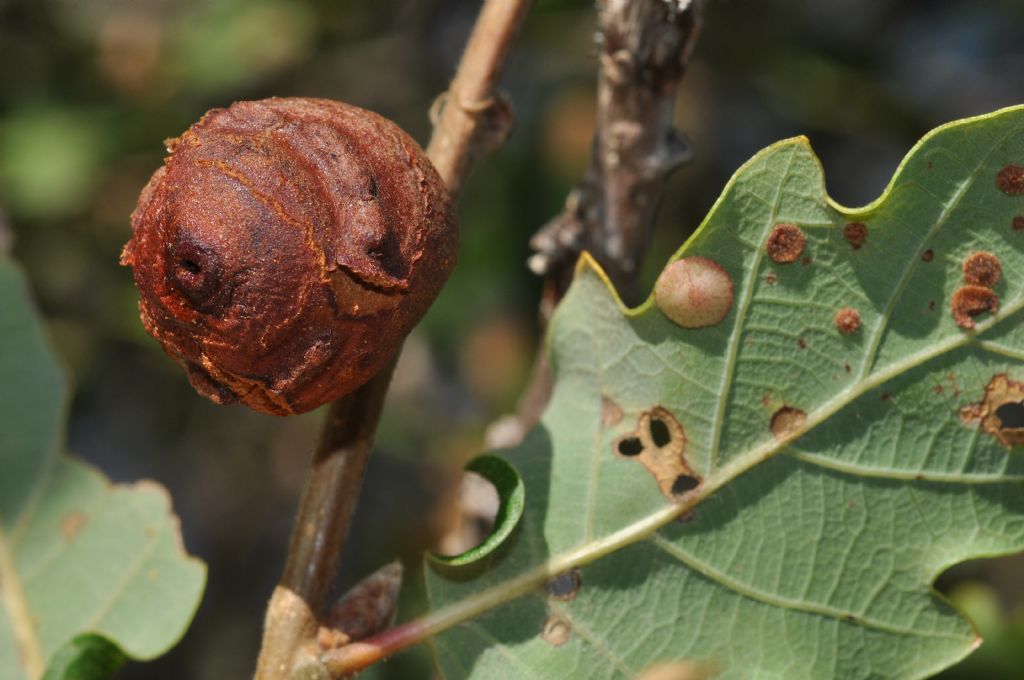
(90, 572)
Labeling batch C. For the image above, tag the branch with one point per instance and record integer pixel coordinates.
(474, 121)
(644, 46)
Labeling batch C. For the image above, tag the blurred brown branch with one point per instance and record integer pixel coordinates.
(644, 46)
(474, 121)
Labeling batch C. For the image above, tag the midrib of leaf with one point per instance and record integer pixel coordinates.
(474, 605)
(732, 351)
(18, 613)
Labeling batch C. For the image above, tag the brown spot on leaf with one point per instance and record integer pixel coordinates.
(694, 292)
(557, 630)
(72, 524)
(766, 400)
(847, 368)
(970, 301)
(847, 320)
(1000, 412)
(982, 269)
(801, 343)
(886, 396)
(807, 261)
(931, 305)
(659, 444)
(928, 255)
(786, 243)
(1018, 223)
(1010, 180)
(564, 586)
(786, 421)
(611, 413)
(770, 278)
(939, 389)
(855, 233)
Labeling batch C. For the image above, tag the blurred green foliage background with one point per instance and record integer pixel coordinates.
(90, 88)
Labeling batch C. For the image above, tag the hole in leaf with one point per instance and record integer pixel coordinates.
(659, 444)
(631, 446)
(659, 432)
(1000, 412)
(1011, 416)
(683, 484)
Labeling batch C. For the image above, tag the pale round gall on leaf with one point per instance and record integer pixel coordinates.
(694, 292)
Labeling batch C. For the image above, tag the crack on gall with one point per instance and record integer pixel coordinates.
(1000, 413)
(659, 444)
(785, 243)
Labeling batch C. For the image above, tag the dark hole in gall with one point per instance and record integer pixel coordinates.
(1011, 416)
(631, 446)
(683, 484)
(659, 432)
(372, 188)
(191, 266)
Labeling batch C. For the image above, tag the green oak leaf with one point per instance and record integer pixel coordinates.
(807, 552)
(90, 572)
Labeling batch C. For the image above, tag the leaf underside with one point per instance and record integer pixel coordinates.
(77, 555)
(810, 552)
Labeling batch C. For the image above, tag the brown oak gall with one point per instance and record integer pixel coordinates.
(286, 248)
